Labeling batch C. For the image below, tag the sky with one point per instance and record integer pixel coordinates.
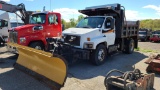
(134, 9)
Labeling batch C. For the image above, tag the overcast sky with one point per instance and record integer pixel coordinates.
(135, 9)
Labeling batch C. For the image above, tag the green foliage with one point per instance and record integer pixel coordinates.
(72, 22)
(137, 49)
(80, 17)
(150, 24)
(145, 50)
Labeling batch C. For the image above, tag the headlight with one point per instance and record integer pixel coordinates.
(22, 40)
(88, 45)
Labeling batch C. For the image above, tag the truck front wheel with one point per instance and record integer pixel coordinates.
(37, 45)
(99, 55)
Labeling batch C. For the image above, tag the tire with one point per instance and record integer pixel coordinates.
(98, 56)
(129, 47)
(37, 45)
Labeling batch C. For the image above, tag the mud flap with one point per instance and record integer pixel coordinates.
(48, 68)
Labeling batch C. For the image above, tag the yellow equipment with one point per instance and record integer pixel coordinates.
(44, 66)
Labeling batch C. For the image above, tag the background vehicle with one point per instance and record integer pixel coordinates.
(4, 30)
(155, 37)
(103, 32)
(144, 34)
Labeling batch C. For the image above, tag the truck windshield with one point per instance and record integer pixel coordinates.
(156, 32)
(91, 22)
(142, 32)
(37, 19)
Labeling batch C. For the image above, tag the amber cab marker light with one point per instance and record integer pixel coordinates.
(88, 39)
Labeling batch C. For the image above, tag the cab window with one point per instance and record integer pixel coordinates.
(53, 19)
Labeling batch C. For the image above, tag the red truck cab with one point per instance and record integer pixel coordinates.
(42, 25)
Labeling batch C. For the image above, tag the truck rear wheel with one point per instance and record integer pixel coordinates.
(99, 55)
(37, 45)
(129, 47)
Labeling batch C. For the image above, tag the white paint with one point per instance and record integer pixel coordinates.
(4, 31)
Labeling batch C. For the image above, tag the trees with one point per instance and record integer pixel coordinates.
(72, 22)
(150, 24)
(80, 17)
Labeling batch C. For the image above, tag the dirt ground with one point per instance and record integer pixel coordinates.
(82, 76)
(150, 46)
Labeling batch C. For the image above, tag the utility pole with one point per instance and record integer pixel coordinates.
(50, 5)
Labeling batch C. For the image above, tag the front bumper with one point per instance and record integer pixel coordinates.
(81, 53)
(11, 48)
(142, 37)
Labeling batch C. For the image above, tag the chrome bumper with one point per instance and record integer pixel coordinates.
(11, 48)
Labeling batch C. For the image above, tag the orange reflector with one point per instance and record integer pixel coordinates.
(88, 39)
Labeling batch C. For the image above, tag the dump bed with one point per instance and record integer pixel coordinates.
(130, 28)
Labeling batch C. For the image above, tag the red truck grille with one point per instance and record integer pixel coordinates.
(13, 37)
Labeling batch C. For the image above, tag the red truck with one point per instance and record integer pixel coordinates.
(155, 37)
(42, 25)
(38, 26)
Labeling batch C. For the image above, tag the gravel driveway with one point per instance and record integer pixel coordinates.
(82, 76)
(149, 46)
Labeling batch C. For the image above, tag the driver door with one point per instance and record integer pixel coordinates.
(109, 31)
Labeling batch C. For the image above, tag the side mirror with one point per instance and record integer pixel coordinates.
(3, 23)
(63, 27)
(38, 28)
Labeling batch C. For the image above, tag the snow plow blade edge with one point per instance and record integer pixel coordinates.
(48, 68)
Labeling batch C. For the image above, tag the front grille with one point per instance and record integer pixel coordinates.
(13, 36)
(72, 39)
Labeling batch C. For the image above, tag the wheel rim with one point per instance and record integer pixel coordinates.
(38, 47)
(101, 55)
(132, 46)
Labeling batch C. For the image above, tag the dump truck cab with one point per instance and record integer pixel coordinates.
(92, 30)
(41, 25)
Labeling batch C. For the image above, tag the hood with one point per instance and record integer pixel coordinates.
(79, 31)
(28, 26)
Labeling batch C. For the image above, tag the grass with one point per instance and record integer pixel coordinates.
(145, 50)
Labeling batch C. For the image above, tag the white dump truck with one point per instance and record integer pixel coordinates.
(104, 31)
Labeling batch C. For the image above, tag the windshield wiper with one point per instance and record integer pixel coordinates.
(86, 27)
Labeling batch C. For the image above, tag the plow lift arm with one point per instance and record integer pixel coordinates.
(24, 15)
